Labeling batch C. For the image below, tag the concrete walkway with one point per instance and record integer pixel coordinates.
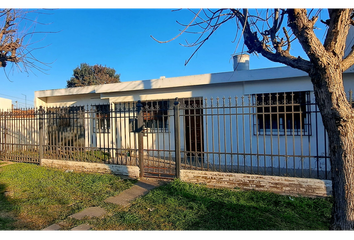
(141, 188)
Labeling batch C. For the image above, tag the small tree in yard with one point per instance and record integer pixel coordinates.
(87, 75)
(271, 33)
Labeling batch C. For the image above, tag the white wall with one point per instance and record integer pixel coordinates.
(5, 104)
(235, 135)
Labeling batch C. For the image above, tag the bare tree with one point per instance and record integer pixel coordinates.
(271, 33)
(17, 29)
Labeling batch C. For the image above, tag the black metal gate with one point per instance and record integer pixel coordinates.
(144, 137)
(156, 144)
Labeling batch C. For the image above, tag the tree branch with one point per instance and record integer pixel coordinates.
(180, 32)
(13, 48)
(255, 45)
(338, 27)
(288, 40)
(302, 27)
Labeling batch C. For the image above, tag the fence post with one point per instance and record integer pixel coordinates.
(5, 133)
(140, 127)
(41, 120)
(177, 139)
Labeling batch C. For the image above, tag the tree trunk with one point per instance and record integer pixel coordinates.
(338, 119)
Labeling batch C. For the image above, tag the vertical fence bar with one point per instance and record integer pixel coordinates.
(243, 132)
(231, 153)
(293, 128)
(250, 107)
(271, 104)
(224, 122)
(218, 124)
(177, 139)
(264, 133)
(41, 113)
(140, 137)
(201, 132)
(237, 135)
(206, 132)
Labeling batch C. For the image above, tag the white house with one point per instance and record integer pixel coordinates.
(248, 148)
(239, 132)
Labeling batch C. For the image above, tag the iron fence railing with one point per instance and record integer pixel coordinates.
(272, 134)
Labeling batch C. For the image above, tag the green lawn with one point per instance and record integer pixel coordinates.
(54, 194)
(33, 197)
(183, 206)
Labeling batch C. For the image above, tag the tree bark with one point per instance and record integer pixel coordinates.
(326, 74)
(338, 119)
(325, 68)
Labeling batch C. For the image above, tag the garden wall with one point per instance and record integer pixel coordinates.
(281, 185)
(131, 171)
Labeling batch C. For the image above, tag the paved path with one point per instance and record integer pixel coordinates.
(141, 188)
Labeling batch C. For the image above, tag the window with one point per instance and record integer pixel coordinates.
(283, 113)
(155, 116)
(64, 117)
(66, 125)
(102, 119)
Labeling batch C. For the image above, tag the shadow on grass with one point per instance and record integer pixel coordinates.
(6, 218)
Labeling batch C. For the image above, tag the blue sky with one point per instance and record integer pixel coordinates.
(120, 39)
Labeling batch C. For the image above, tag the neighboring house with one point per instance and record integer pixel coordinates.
(5, 104)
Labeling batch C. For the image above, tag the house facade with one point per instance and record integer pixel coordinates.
(264, 119)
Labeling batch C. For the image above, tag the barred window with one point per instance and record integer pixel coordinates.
(155, 116)
(283, 113)
(64, 117)
(102, 119)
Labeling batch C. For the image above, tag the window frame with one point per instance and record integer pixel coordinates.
(102, 118)
(297, 112)
(153, 116)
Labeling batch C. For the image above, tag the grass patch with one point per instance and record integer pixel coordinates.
(33, 197)
(96, 156)
(183, 206)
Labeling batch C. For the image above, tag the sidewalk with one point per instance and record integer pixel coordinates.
(141, 188)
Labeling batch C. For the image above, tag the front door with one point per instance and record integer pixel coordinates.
(194, 131)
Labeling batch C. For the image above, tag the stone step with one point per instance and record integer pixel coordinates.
(141, 188)
(89, 212)
(52, 227)
(82, 227)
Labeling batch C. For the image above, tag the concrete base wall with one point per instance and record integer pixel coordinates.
(131, 171)
(280, 185)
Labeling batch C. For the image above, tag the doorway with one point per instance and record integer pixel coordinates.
(194, 138)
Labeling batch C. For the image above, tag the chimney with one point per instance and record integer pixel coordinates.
(241, 62)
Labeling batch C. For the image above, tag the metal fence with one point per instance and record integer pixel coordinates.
(272, 134)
